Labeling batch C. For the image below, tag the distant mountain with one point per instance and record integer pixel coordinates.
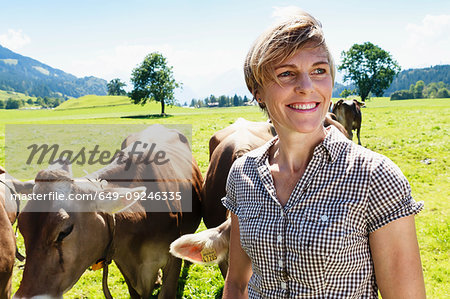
(430, 74)
(407, 77)
(338, 88)
(29, 76)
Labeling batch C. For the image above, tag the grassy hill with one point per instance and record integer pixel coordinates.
(91, 101)
(5, 95)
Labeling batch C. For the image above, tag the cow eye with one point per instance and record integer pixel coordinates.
(64, 233)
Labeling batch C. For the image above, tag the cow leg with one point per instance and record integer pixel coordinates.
(5, 286)
(7, 251)
(131, 290)
(171, 273)
(350, 133)
(357, 134)
(223, 266)
(140, 280)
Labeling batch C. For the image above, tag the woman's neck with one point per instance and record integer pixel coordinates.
(293, 151)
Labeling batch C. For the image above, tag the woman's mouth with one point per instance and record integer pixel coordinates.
(304, 107)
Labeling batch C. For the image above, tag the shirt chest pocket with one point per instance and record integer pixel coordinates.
(249, 224)
(323, 230)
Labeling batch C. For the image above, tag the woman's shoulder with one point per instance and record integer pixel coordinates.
(376, 165)
(344, 150)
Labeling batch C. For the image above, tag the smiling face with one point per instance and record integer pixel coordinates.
(300, 101)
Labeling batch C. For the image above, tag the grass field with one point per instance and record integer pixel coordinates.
(94, 101)
(5, 95)
(413, 133)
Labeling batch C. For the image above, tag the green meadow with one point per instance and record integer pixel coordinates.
(412, 133)
(5, 95)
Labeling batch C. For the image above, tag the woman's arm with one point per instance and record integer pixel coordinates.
(239, 269)
(396, 257)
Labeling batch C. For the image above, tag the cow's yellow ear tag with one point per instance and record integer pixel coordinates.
(98, 265)
(208, 255)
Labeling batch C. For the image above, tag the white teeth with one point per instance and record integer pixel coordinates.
(303, 106)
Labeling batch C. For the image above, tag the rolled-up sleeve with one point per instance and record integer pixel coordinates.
(229, 201)
(389, 196)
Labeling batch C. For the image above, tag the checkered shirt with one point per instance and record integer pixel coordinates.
(317, 245)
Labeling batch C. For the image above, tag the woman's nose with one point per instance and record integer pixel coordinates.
(303, 83)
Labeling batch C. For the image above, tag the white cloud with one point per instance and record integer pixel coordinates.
(427, 43)
(432, 27)
(14, 39)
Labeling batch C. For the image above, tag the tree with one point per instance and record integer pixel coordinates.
(431, 90)
(418, 89)
(442, 93)
(402, 95)
(153, 81)
(222, 101)
(115, 87)
(411, 88)
(347, 92)
(236, 101)
(371, 68)
(12, 104)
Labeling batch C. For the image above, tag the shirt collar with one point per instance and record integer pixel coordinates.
(335, 142)
(332, 146)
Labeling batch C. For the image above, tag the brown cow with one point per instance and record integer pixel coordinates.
(11, 185)
(225, 147)
(348, 113)
(8, 213)
(61, 245)
(7, 246)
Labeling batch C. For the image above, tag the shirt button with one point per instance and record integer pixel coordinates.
(279, 238)
(282, 213)
(324, 218)
(283, 285)
(280, 263)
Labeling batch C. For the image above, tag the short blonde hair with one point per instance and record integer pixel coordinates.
(278, 43)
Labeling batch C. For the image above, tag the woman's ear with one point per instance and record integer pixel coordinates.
(257, 95)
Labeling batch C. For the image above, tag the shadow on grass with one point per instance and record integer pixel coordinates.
(148, 116)
(219, 293)
(183, 278)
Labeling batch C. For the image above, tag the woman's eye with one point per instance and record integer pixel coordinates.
(285, 74)
(319, 71)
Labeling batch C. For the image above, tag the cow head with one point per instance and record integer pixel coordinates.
(62, 242)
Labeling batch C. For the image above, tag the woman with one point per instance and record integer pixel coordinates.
(313, 214)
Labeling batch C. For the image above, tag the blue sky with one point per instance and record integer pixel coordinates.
(206, 41)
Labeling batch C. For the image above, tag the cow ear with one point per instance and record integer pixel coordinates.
(63, 164)
(360, 104)
(207, 247)
(116, 200)
(188, 249)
